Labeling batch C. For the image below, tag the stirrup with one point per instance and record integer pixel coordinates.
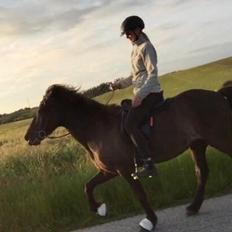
(147, 170)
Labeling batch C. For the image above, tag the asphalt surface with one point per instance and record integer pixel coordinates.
(214, 216)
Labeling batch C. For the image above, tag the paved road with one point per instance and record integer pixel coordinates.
(215, 216)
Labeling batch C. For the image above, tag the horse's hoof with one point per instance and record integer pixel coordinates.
(146, 225)
(102, 210)
(190, 211)
(143, 230)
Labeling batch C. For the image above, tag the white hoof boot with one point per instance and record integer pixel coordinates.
(102, 210)
(146, 224)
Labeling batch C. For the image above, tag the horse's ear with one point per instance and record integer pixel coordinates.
(51, 93)
(54, 91)
(227, 84)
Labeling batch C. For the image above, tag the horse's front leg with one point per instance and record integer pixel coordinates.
(100, 178)
(149, 223)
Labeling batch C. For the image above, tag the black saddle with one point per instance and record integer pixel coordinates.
(149, 121)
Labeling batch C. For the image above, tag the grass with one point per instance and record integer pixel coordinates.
(42, 187)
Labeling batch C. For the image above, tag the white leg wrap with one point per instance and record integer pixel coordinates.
(101, 211)
(146, 224)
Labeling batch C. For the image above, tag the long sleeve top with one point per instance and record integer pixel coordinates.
(144, 75)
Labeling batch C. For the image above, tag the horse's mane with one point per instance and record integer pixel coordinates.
(226, 91)
(73, 95)
(227, 84)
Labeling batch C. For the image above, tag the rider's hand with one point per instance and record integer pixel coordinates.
(136, 101)
(115, 85)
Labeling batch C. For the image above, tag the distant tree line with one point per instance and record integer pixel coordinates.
(18, 115)
(96, 91)
(30, 112)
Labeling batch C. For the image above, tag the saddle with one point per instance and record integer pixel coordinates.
(147, 125)
(149, 121)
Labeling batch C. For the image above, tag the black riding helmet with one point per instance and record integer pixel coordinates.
(131, 23)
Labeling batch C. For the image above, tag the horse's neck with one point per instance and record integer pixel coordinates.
(84, 122)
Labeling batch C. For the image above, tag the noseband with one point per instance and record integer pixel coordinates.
(42, 135)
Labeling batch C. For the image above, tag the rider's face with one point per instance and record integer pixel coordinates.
(133, 35)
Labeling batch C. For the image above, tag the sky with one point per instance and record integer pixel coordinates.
(77, 42)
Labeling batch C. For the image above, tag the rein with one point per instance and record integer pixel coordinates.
(110, 97)
(111, 88)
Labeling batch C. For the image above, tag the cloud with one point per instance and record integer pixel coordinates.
(77, 42)
(31, 17)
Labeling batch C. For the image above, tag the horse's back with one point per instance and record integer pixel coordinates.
(191, 115)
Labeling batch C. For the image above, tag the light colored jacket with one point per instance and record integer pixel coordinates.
(144, 75)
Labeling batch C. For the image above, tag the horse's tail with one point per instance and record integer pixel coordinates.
(226, 91)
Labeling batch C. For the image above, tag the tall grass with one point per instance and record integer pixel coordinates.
(42, 190)
(42, 187)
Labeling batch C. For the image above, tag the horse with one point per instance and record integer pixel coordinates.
(192, 119)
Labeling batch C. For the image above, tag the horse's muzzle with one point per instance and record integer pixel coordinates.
(36, 140)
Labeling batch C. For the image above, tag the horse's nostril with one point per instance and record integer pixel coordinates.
(25, 137)
(41, 134)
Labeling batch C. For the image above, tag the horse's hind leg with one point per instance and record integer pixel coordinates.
(198, 149)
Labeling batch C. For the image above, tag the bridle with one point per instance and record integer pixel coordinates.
(42, 135)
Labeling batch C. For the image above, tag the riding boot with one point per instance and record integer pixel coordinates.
(146, 170)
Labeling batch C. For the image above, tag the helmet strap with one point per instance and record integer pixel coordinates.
(137, 34)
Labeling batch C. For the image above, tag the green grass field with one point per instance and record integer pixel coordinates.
(42, 187)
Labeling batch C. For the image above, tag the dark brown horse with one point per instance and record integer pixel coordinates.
(193, 119)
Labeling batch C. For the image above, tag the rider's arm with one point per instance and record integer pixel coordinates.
(122, 83)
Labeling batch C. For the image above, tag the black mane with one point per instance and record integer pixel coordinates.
(64, 93)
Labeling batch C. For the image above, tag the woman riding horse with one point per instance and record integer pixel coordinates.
(193, 119)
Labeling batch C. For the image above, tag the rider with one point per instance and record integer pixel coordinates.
(147, 89)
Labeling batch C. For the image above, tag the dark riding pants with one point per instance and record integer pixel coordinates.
(136, 117)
